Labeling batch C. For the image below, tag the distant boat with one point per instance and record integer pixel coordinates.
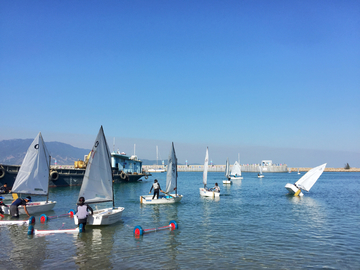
(205, 191)
(97, 185)
(158, 169)
(260, 175)
(298, 171)
(227, 173)
(306, 181)
(33, 178)
(289, 170)
(171, 184)
(235, 173)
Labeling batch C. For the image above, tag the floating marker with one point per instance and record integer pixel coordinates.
(138, 230)
(43, 218)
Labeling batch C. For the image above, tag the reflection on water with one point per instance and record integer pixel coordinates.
(252, 225)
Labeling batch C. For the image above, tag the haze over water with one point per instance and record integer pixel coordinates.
(254, 225)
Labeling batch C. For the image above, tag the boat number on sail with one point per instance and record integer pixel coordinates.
(36, 146)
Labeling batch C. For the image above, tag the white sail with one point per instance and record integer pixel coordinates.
(97, 183)
(236, 169)
(33, 176)
(171, 176)
(309, 179)
(227, 168)
(260, 169)
(206, 164)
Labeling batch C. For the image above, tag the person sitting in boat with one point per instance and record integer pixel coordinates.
(14, 207)
(157, 189)
(82, 212)
(216, 188)
(4, 189)
(2, 204)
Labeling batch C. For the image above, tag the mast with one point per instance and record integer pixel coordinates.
(47, 195)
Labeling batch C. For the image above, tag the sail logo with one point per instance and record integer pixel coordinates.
(96, 144)
(36, 146)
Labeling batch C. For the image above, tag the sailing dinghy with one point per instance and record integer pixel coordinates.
(33, 178)
(227, 173)
(97, 185)
(171, 184)
(235, 173)
(260, 175)
(205, 191)
(306, 182)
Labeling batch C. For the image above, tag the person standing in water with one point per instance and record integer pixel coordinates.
(2, 204)
(82, 212)
(157, 189)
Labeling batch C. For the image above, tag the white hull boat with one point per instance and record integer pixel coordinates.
(171, 184)
(306, 181)
(227, 173)
(33, 178)
(105, 216)
(236, 177)
(97, 185)
(163, 199)
(227, 182)
(260, 175)
(235, 173)
(33, 208)
(209, 193)
(156, 170)
(293, 190)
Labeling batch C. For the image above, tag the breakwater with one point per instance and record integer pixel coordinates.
(248, 168)
(221, 168)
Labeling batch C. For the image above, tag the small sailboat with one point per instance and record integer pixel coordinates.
(260, 175)
(227, 173)
(158, 169)
(235, 173)
(205, 191)
(306, 182)
(171, 184)
(97, 185)
(33, 178)
(298, 171)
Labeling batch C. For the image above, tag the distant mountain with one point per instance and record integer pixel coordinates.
(12, 152)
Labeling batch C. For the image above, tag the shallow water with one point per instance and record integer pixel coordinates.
(253, 225)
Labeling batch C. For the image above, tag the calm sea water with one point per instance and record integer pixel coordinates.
(254, 225)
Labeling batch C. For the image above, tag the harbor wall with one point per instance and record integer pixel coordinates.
(221, 168)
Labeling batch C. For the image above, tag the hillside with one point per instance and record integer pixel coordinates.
(12, 152)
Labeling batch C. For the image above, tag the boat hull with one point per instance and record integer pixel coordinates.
(260, 176)
(209, 193)
(236, 177)
(33, 208)
(227, 182)
(64, 177)
(105, 216)
(163, 199)
(293, 190)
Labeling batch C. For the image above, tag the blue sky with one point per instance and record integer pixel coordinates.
(232, 75)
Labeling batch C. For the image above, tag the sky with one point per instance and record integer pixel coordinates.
(262, 79)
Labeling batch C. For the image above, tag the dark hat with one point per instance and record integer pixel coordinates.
(81, 199)
(28, 198)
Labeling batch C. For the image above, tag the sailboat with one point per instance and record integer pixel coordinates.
(97, 185)
(227, 173)
(298, 171)
(306, 182)
(260, 175)
(205, 191)
(33, 178)
(171, 184)
(235, 173)
(158, 169)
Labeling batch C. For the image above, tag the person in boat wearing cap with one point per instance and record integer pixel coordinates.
(14, 207)
(2, 204)
(4, 189)
(157, 189)
(82, 212)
